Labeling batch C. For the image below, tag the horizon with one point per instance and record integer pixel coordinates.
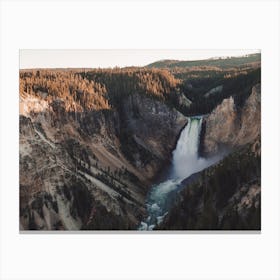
(94, 59)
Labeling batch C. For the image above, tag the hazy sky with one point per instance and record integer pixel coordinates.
(112, 58)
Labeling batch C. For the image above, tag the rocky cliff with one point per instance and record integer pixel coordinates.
(86, 163)
(229, 126)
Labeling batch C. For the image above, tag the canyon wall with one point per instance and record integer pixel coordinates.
(82, 167)
(229, 126)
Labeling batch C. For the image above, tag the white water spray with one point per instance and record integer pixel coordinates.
(185, 156)
(185, 162)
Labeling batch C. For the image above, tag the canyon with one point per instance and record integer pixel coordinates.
(95, 143)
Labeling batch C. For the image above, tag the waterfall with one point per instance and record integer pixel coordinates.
(185, 162)
(185, 156)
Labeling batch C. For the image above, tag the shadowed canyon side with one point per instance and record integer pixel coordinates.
(174, 145)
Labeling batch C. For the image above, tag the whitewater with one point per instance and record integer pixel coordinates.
(185, 162)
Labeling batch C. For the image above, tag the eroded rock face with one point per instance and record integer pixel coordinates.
(91, 169)
(221, 126)
(154, 128)
(215, 90)
(233, 127)
(250, 127)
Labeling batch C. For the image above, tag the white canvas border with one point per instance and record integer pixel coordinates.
(136, 25)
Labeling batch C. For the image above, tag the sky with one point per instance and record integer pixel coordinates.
(111, 58)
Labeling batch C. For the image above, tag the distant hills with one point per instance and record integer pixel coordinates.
(223, 63)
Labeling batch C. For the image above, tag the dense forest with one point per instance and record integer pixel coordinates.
(213, 200)
(198, 90)
(99, 89)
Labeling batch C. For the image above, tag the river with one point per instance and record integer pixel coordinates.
(185, 162)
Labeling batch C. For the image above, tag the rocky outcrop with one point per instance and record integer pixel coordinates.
(150, 130)
(229, 126)
(250, 123)
(214, 90)
(183, 101)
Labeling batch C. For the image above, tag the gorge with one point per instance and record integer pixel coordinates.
(141, 148)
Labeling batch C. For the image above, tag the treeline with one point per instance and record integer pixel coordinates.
(103, 89)
(222, 63)
(239, 86)
(68, 86)
(120, 83)
(96, 89)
